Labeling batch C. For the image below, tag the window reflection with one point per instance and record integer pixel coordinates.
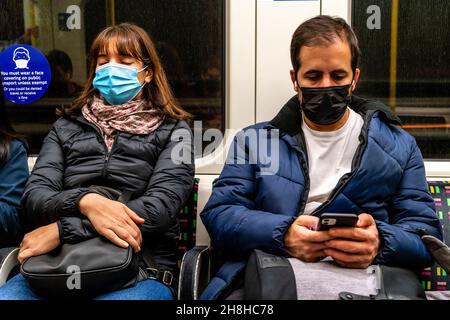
(189, 38)
(419, 89)
(188, 35)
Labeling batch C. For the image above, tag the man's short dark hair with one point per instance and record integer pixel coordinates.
(323, 30)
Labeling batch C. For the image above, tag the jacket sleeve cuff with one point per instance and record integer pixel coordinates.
(60, 230)
(75, 229)
(281, 231)
(81, 195)
(401, 248)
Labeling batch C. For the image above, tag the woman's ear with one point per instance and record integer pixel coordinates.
(149, 76)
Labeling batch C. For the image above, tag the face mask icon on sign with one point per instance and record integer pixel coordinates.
(21, 57)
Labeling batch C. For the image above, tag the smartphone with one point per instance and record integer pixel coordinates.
(333, 220)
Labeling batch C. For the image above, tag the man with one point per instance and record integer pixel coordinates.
(337, 153)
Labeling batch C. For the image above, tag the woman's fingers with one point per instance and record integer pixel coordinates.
(112, 236)
(132, 230)
(133, 215)
(25, 254)
(123, 234)
(131, 226)
(117, 223)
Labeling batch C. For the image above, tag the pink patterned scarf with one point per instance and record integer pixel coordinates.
(130, 118)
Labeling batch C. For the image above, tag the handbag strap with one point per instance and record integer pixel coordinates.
(153, 272)
(111, 193)
(125, 196)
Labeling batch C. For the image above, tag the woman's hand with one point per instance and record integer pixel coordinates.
(113, 220)
(39, 241)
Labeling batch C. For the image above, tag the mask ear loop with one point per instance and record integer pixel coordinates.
(352, 89)
(143, 85)
(299, 92)
(143, 68)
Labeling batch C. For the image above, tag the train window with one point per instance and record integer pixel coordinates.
(188, 34)
(406, 64)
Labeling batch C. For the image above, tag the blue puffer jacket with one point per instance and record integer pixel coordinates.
(13, 176)
(250, 208)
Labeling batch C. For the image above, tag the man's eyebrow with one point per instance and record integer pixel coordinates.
(313, 71)
(340, 71)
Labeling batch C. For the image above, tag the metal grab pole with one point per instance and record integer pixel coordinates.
(394, 56)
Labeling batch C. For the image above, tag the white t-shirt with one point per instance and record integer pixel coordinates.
(330, 156)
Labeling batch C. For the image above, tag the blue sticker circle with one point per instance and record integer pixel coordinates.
(25, 73)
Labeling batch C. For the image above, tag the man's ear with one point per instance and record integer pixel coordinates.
(294, 80)
(356, 79)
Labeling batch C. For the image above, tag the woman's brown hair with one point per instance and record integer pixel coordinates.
(130, 40)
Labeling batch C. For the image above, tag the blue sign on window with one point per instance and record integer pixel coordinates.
(25, 73)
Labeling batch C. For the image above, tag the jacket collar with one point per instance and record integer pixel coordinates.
(289, 119)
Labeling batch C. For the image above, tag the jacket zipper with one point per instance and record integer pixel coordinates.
(356, 163)
(303, 158)
(107, 153)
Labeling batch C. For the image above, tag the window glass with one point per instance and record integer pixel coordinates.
(406, 64)
(188, 35)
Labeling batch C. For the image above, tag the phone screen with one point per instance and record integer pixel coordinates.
(333, 220)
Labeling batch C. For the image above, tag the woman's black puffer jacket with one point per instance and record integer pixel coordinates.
(74, 157)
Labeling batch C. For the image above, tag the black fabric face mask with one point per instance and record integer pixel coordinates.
(325, 105)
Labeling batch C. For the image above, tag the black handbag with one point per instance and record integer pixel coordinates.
(85, 269)
(82, 270)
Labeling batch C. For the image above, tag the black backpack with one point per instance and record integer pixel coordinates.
(270, 277)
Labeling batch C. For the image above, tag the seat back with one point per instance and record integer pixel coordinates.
(188, 223)
(435, 278)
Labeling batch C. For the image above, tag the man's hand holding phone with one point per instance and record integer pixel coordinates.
(354, 247)
(302, 241)
(351, 247)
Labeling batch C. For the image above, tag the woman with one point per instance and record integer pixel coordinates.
(13, 177)
(119, 133)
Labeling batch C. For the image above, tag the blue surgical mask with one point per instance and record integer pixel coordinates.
(117, 83)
